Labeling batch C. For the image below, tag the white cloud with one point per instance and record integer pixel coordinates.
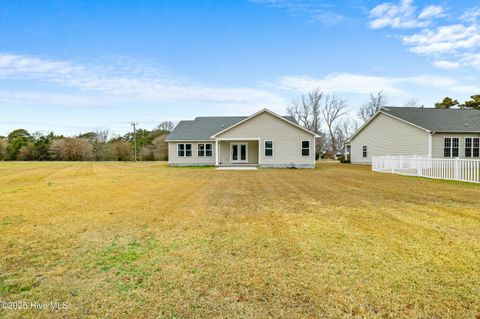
(444, 39)
(471, 15)
(472, 59)
(446, 65)
(340, 83)
(49, 99)
(431, 11)
(128, 82)
(316, 11)
(328, 18)
(403, 15)
(449, 46)
(364, 84)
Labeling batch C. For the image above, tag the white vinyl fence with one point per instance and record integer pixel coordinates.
(466, 170)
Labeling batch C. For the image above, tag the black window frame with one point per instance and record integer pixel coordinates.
(267, 149)
(305, 150)
(364, 151)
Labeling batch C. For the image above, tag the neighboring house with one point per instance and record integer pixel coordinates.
(263, 139)
(426, 132)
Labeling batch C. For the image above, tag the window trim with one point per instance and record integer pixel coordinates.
(364, 151)
(304, 148)
(178, 150)
(198, 149)
(265, 148)
(472, 148)
(185, 149)
(451, 148)
(211, 149)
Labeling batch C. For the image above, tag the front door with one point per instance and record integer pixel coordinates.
(239, 152)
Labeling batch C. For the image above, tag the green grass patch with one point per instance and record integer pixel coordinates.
(133, 263)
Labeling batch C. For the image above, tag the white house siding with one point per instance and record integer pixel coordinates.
(224, 147)
(438, 140)
(286, 137)
(175, 160)
(385, 135)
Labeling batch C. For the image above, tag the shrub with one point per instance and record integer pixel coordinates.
(121, 150)
(72, 149)
(3, 149)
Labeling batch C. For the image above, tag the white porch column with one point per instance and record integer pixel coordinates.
(217, 152)
(259, 152)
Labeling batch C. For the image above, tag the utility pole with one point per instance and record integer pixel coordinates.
(134, 140)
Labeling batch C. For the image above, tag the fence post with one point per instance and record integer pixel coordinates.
(457, 169)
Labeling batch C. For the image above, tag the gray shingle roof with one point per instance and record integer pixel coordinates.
(438, 120)
(201, 128)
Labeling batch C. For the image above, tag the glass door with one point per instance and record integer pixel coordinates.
(239, 152)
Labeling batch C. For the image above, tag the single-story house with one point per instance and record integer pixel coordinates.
(423, 132)
(264, 139)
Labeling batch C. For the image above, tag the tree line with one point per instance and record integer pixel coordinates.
(448, 102)
(91, 146)
(325, 114)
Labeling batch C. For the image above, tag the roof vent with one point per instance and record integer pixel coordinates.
(466, 124)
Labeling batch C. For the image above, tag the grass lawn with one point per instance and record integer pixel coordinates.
(125, 240)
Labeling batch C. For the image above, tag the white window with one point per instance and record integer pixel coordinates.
(364, 151)
(208, 150)
(268, 148)
(305, 148)
(200, 150)
(450, 147)
(204, 150)
(184, 150)
(472, 145)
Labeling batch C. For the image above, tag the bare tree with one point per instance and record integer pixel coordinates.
(413, 102)
(72, 149)
(375, 103)
(343, 130)
(157, 151)
(307, 110)
(121, 150)
(333, 109)
(98, 140)
(160, 147)
(166, 126)
(25, 153)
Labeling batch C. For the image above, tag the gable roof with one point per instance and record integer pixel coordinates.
(283, 118)
(438, 120)
(202, 128)
(431, 119)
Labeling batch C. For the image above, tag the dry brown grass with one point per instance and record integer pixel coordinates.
(144, 240)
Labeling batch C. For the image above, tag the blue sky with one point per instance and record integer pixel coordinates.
(73, 66)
